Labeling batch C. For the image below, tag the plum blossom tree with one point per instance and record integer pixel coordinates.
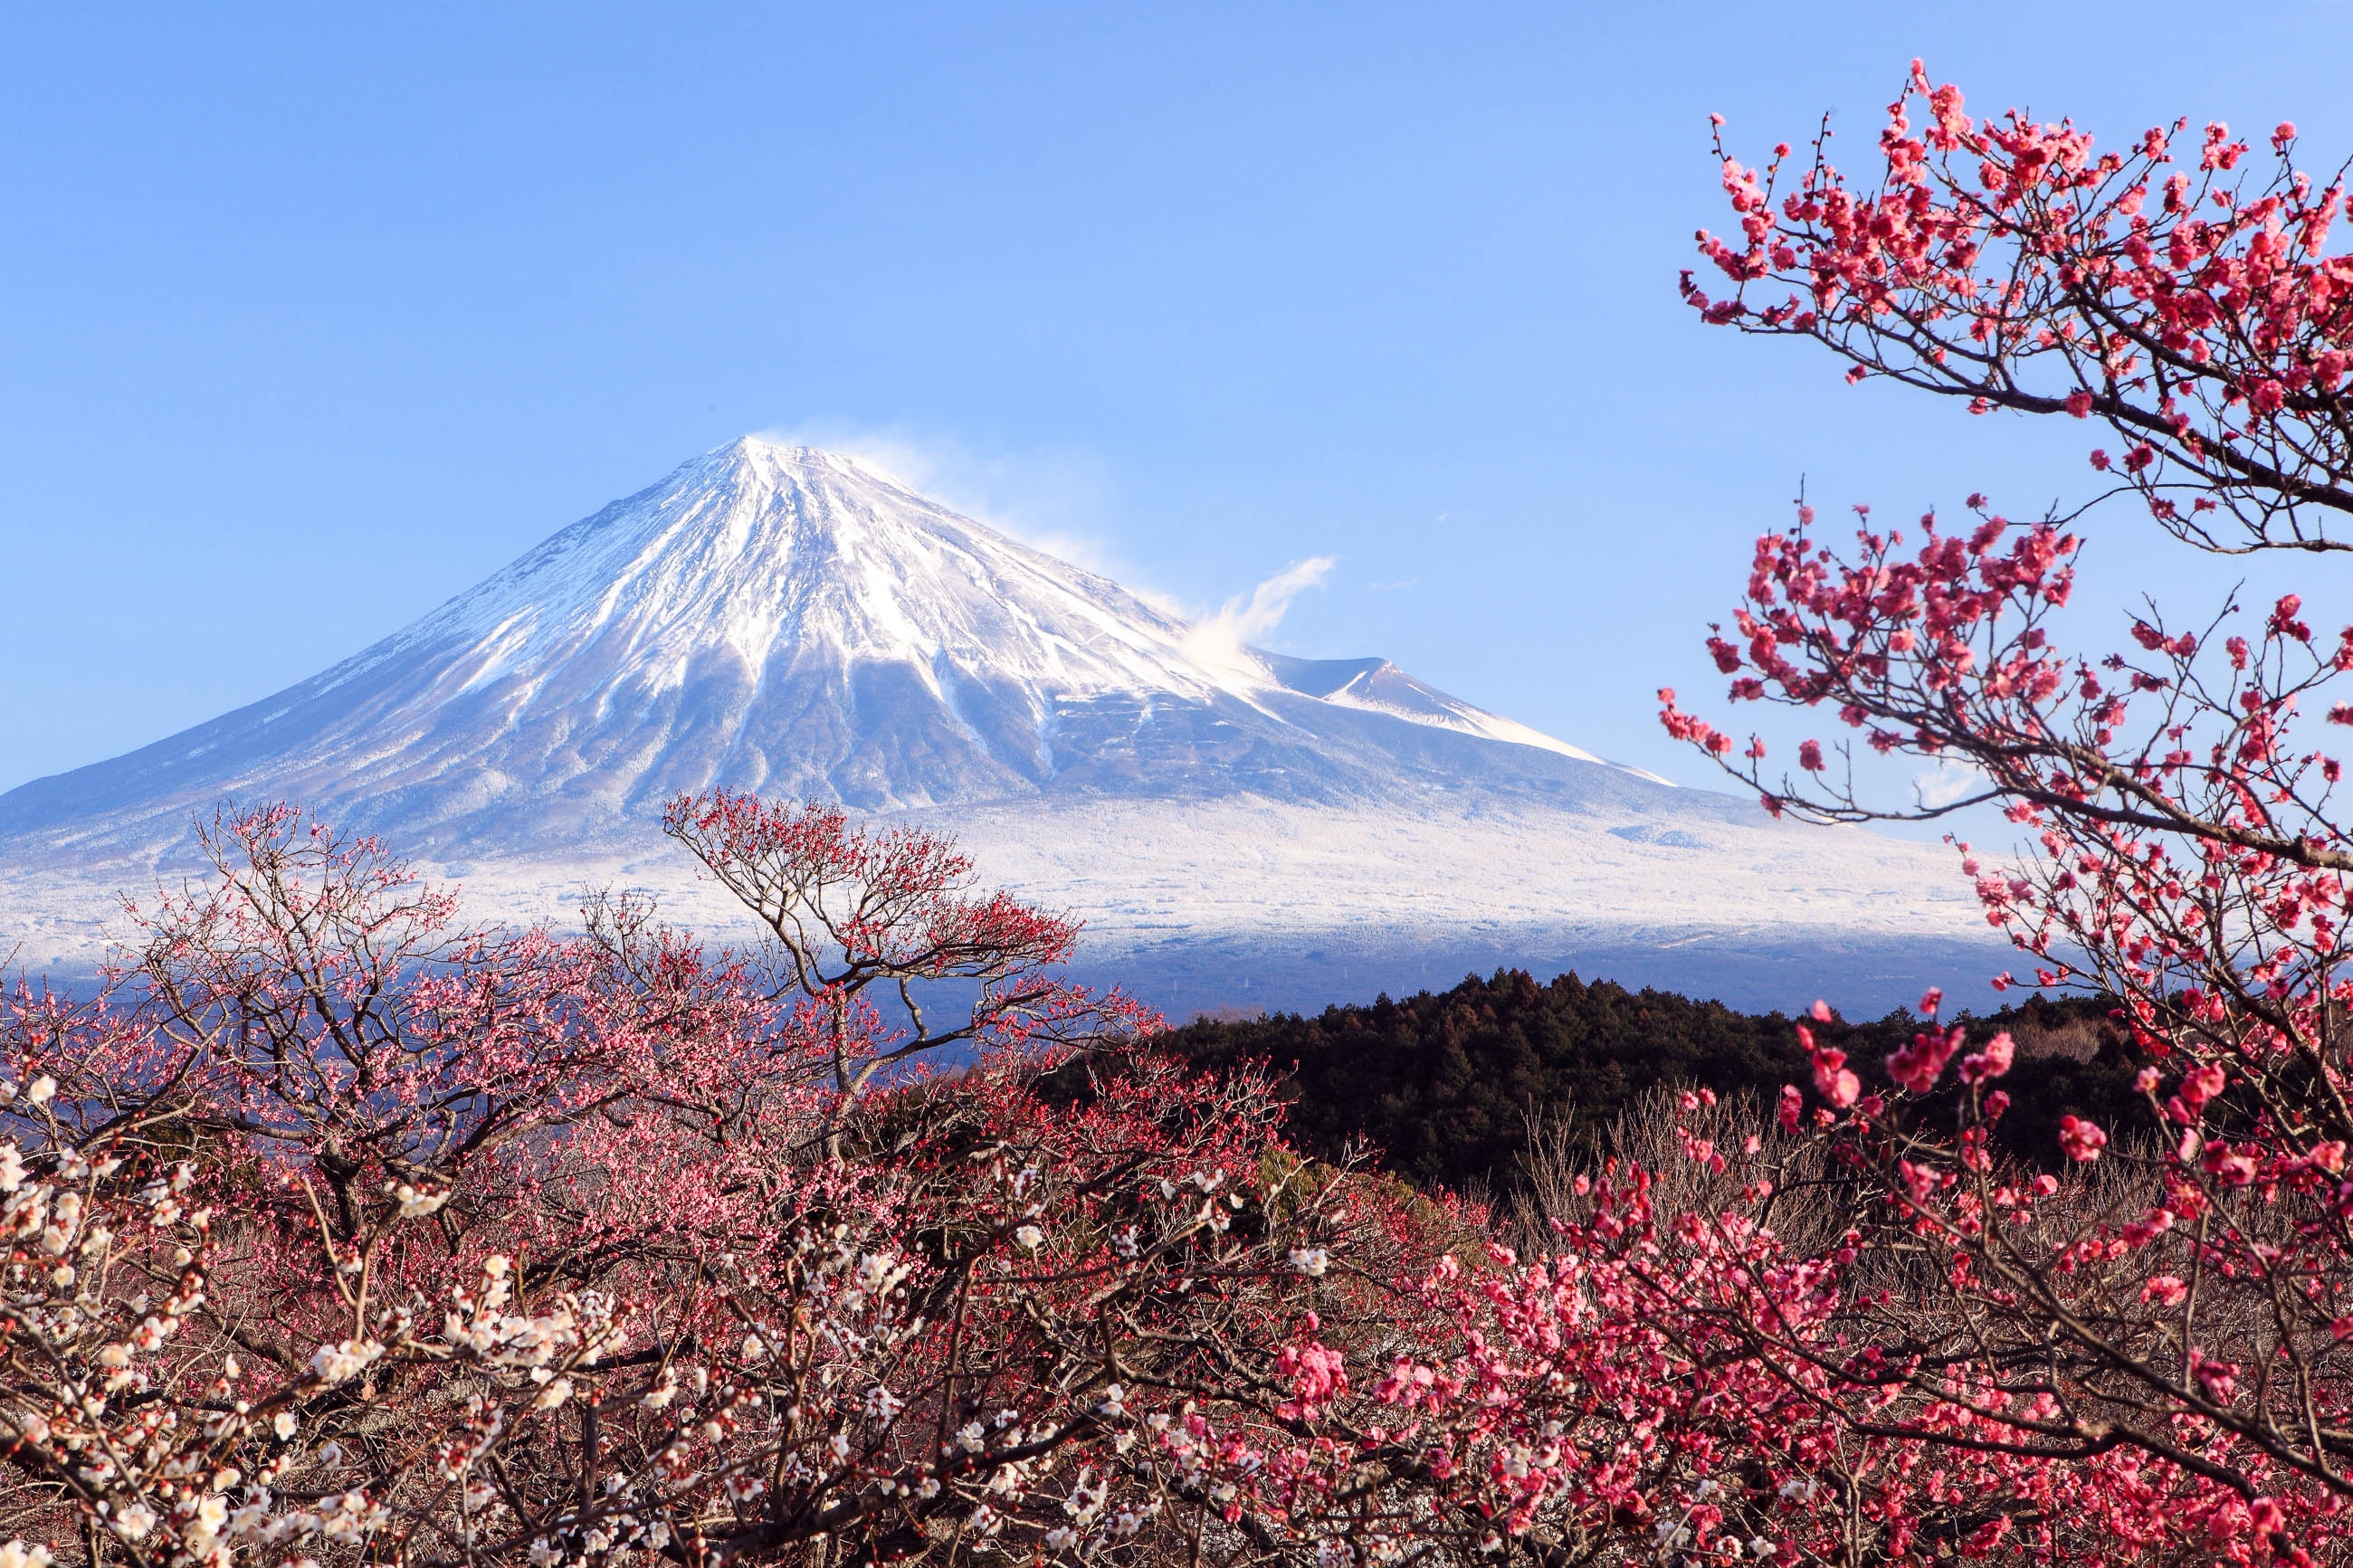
(851, 912)
(2180, 846)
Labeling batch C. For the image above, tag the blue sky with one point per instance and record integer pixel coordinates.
(310, 317)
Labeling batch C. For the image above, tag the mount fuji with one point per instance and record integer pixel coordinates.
(1238, 827)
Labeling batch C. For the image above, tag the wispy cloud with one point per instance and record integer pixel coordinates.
(1945, 782)
(1047, 498)
(1220, 637)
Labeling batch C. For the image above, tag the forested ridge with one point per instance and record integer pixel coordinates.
(1444, 1084)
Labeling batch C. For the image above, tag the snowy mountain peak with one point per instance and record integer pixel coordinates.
(789, 619)
(760, 551)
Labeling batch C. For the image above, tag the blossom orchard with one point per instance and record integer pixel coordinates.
(2180, 846)
(339, 1232)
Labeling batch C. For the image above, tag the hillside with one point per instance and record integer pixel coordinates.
(1444, 1083)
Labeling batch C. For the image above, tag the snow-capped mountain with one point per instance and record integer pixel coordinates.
(791, 621)
(785, 619)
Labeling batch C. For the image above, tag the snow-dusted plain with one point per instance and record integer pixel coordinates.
(1237, 826)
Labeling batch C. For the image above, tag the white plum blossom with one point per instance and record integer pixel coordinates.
(341, 1363)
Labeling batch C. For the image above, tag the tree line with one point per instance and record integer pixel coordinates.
(1451, 1086)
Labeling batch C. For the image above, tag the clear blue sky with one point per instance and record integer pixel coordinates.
(314, 315)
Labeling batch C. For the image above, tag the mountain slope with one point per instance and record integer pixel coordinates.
(785, 619)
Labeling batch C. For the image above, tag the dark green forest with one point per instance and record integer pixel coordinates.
(1445, 1083)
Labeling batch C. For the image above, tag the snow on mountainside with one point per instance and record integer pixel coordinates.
(783, 619)
(787, 620)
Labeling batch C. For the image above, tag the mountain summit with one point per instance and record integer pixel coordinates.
(787, 620)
